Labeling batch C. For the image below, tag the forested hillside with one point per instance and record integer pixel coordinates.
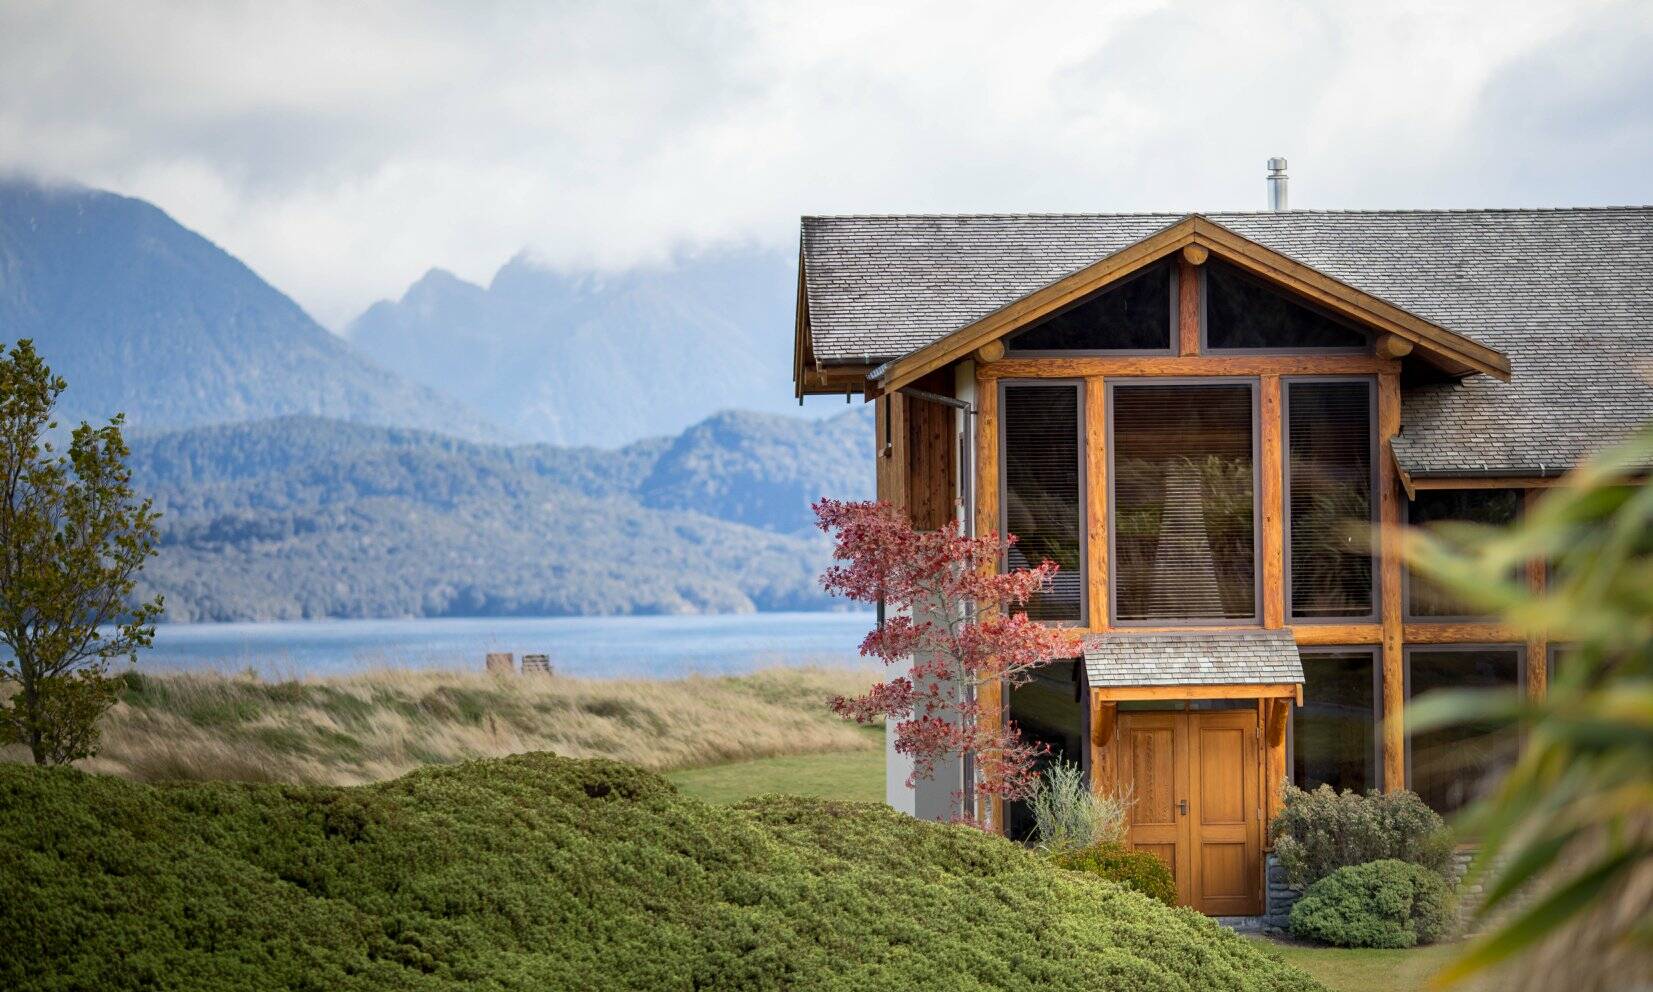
(301, 517)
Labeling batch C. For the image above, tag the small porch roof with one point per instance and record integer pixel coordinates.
(1194, 659)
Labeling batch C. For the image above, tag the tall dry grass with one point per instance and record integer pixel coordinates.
(376, 726)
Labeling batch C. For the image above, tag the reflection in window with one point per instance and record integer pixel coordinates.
(1133, 316)
(1042, 472)
(1334, 732)
(1184, 502)
(1047, 710)
(1243, 312)
(1329, 447)
(1455, 765)
(1442, 507)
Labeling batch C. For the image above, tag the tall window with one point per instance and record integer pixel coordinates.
(1242, 312)
(1043, 491)
(1334, 733)
(1453, 766)
(1441, 508)
(1135, 316)
(1048, 710)
(1329, 488)
(1184, 525)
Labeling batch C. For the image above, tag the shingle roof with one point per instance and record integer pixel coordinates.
(1566, 294)
(1216, 658)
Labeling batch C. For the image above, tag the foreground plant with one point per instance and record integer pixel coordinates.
(955, 621)
(73, 538)
(1570, 828)
(1068, 814)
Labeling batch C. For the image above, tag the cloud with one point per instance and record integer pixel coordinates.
(343, 149)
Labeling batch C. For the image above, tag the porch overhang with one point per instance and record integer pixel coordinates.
(1263, 664)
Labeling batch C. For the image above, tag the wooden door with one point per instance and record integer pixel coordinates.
(1193, 778)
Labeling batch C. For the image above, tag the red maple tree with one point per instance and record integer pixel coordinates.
(956, 622)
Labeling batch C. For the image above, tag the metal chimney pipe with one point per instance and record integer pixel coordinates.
(1277, 184)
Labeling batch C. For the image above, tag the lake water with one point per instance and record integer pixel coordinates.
(596, 647)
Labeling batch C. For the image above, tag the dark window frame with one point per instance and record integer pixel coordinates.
(1084, 490)
(1407, 651)
(1375, 653)
(1254, 383)
(1374, 497)
(1206, 347)
(1406, 614)
(1172, 347)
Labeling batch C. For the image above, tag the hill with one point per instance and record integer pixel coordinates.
(303, 518)
(597, 360)
(538, 872)
(145, 317)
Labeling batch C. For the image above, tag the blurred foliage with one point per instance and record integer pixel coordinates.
(1567, 836)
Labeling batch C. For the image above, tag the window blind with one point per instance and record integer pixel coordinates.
(1042, 484)
(1184, 502)
(1329, 482)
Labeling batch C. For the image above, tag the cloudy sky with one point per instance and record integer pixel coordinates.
(343, 149)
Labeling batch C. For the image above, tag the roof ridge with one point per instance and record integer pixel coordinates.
(1095, 215)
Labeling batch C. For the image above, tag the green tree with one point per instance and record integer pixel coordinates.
(1567, 836)
(73, 538)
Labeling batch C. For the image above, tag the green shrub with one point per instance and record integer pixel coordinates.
(1379, 904)
(545, 873)
(1135, 870)
(1321, 831)
(1067, 814)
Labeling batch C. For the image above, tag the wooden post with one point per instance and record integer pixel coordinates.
(1389, 573)
(989, 697)
(1096, 500)
(1188, 308)
(1273, 477)
(1104, 725)
(1273, 713)
(1538, 645)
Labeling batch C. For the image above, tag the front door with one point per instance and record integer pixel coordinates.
(1194, 782)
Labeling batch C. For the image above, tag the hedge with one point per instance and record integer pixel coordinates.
(1378, 904)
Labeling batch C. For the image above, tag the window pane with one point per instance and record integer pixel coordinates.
(1497, 507)
(1041, 488)
(1334, 732)
(1134, 316)
(1329, 441)
(1047, 710)
(1242, 312)
(1184, 544)
(1452, 766)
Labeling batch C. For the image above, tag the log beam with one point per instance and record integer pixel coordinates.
(1389, 585)
(1393, 346)
(990, 352)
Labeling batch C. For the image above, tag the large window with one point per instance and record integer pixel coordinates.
(1441, 508)
(1334, 733)
(1048, 709)
(1244, 313)
(1134, 316)
(1453, 766)
(1184, 506)
(1329, 448)
(1044, 491)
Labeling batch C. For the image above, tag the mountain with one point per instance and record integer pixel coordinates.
(302, 517)
(588, 360)
(144, 316)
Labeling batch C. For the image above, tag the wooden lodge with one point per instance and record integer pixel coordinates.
(1198, 417)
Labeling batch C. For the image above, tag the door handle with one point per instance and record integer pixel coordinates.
(1182, 806)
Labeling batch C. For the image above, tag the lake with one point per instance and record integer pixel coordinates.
(595, 647)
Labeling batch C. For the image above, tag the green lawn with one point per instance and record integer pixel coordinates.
(1344, 969)
(855, 775)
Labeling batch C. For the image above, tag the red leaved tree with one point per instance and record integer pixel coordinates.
(956, 619)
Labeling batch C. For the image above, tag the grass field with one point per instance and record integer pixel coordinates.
(1359, 970)
(854, 775)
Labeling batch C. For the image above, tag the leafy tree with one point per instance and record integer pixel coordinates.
(957, 626)
(73, 538)
(1567, 836)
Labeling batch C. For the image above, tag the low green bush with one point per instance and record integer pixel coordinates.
(1136, 870)
(1379, 904)
(545, 873)
(1321, 831)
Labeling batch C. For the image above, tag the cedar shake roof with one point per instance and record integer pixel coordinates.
(1566, 294)
(1219, 658)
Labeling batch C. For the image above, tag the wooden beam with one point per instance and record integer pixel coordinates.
(1392, 346)
(1195, 254)
(1103, 723)
(1461, 632)
(1189, 365)
(833, 380)
(1389, 587)
(990, 352)
(1104, 775)
(1337, 634)
(1273, 479)
(1538, 642)
(1274, 731)
(990, 696)
(1489, 482)
(1188, 308)
(1096, 502)
(1124, 693)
